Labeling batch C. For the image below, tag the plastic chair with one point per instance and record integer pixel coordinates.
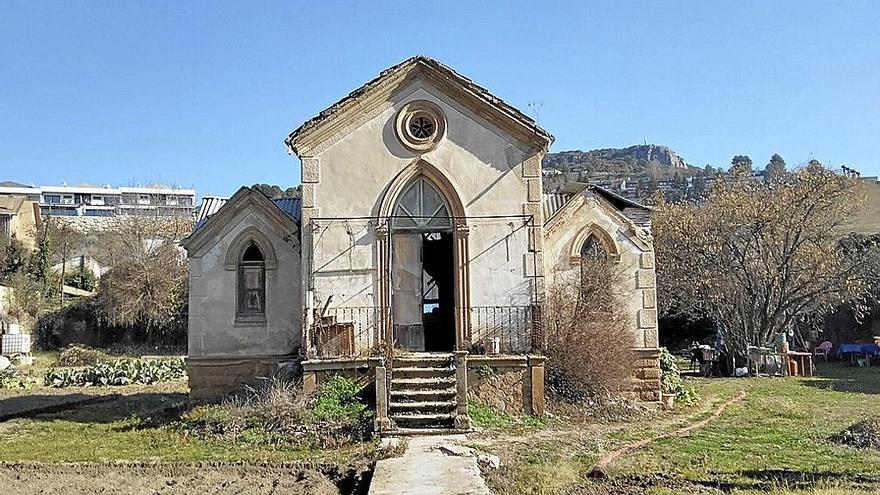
(823, 349)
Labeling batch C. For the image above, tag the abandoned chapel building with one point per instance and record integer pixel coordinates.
(416, 261)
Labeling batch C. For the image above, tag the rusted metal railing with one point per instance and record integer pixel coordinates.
(502, 329)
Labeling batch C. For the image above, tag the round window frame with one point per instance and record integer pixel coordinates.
(420, 109)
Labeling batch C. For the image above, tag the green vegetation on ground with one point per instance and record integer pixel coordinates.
(155, 424)
(777, 439)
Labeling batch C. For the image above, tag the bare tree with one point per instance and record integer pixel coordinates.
(146, 286)
(589, 339)
(757, 257)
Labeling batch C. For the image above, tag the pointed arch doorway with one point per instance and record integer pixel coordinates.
(423, 269)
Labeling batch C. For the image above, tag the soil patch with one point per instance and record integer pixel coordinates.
(179, 479)
(30, 405)
(863, 435)
(748, 480)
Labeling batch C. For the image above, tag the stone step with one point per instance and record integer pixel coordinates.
(436, 420)
(416, 371)
(426, 431)
(425, 360)
(423, 395)
(424, 406)
(421, 383)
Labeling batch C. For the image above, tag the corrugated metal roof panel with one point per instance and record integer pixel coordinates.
(209, 206)
(553, 202)
(292, 207)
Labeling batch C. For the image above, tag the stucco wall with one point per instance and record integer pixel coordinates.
(23, 224)
(213, 331)
(636, 262)
(492, 173)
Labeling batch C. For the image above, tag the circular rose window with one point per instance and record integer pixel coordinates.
(420, 125)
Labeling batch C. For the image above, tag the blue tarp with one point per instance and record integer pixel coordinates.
(858, 349)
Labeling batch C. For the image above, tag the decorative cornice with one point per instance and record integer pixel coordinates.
(220, 223)
(305, 140)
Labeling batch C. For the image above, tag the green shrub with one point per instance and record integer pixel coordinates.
(338, 399)
(670, 379)
(118, 372)
(11, 377)
(80, 355)
(81, 279)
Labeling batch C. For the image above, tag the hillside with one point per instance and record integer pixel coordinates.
(635, 161)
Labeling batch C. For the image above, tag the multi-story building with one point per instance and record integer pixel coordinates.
(104, 201)
(30, 193)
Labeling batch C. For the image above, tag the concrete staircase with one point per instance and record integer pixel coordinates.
(423, 394)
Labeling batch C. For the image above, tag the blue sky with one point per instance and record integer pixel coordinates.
(201, 94)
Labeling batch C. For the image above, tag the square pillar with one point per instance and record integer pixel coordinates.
(462, 420)
(536, 375)
(382, 423)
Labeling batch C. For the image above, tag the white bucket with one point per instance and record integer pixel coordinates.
(14, 329)
(495, 345)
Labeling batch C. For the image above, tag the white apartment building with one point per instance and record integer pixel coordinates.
(102, 201)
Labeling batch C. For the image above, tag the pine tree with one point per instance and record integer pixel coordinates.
(15, 258)
(40, 265)
(741, 164)
(775, 168)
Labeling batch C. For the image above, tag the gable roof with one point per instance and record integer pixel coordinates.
(284, 213)
(636, 212)
(212, 204)
(460, 87)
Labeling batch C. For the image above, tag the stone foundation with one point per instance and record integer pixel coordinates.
(645, 384)
(511, 384)
(212, 378)
(359, 370)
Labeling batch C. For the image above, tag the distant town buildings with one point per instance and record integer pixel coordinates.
(20, 218)
(104, 201)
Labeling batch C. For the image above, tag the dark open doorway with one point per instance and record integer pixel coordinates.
(423, 270)
(438, 292)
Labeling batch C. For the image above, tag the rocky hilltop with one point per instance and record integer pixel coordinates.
(634, 160)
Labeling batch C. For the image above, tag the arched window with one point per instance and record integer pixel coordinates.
(593, 249)
(251, 283)
(422, 207)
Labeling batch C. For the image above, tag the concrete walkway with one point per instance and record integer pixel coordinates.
(426, 470)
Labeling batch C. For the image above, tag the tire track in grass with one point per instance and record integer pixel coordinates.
(599, 469)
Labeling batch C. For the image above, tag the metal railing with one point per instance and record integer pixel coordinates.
(502, 329)
(357, 331)
(348, 331)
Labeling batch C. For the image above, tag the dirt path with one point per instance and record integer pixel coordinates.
(177, 479)
(598, 470)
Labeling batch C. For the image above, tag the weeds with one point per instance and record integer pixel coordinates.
(280, 414)
(486, 416)
(670, 379)
(11, 377)
(80, 355)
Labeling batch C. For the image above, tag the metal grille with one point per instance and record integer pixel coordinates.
(502, 329)
(347, 331)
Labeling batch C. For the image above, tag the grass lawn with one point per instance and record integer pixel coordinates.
(773, 441)
(135, 427)
(136, 424)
